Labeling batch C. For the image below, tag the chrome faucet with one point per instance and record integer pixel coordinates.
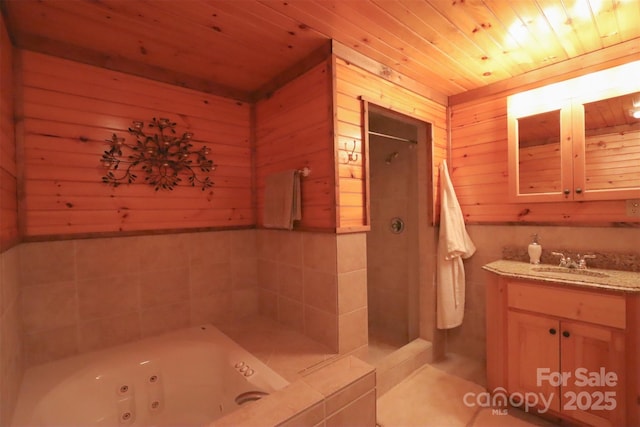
(569, 263)
(563, 260)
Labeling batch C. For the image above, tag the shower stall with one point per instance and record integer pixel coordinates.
(401, 242)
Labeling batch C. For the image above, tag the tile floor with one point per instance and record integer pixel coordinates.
(434, 396)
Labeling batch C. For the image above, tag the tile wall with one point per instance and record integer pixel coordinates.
(11, 361)
(315, 283)
(393, 257)
(83, 295)
(352, 293)
(469, 338)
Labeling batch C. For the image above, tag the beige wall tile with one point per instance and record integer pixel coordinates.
(290, 282)
(108, 331)
(11, 356)
(268, 244)
(291, 313)
(9, 278)
(244, 244)
(268, 276)
(321, 326)
(245, 302)
(290, 251)
(163, 251)
(165, 318)
(11, 341)
(209, 247)
(308, 417)
(213, 308)
(392, 316)
(351, 252)
(11, 338)
(319, 252)
(47, 262)
(162, 287)
(352, 291)
(107, 256)
(298, 267)
(107, 296)
(244, 273)
(41, 347)
(353, 330)
(350, 393)
(48, 307)
(268, 304)
(361, 413)
(321, 290)
(165, 281)
(209, 278)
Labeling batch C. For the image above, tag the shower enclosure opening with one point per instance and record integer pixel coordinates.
(393, 243)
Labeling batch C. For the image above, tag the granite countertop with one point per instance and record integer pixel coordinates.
(627, 281)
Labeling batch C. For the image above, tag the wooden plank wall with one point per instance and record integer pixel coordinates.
(294, 129)
(8, 198)
(612, 159)
(352, 83)
(540, 168)
(479, 169)
(71, 108)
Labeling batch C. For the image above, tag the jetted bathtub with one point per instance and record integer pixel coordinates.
(184, 378)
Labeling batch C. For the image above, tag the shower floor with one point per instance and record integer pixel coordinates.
(380, 346)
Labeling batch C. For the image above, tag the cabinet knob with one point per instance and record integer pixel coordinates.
(552, 331)
(578, 190)
(566, 334)
(566, 191)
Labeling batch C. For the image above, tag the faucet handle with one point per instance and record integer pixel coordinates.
(563, 260)
(582, 260)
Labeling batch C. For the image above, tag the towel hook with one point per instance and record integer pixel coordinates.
(352, 157)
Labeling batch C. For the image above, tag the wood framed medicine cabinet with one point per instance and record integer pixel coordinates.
(578, 139)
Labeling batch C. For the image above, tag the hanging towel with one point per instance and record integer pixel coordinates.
(282, 200)
(454, 244)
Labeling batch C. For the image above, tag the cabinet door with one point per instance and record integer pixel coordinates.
(533, 345)
(607, 147)
(540, 150)
(594, 357)
(577, 139)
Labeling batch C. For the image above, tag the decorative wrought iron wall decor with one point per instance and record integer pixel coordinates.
(162, 156)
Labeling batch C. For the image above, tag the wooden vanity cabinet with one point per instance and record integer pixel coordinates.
(538, 332)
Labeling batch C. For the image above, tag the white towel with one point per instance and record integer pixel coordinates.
(282, 200)
(454, 244)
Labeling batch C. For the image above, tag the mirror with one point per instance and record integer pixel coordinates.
(612, 142)
(539, 155)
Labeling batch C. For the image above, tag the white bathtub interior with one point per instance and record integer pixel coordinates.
(188, 378)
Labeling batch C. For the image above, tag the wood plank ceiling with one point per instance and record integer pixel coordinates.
(237, 47)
